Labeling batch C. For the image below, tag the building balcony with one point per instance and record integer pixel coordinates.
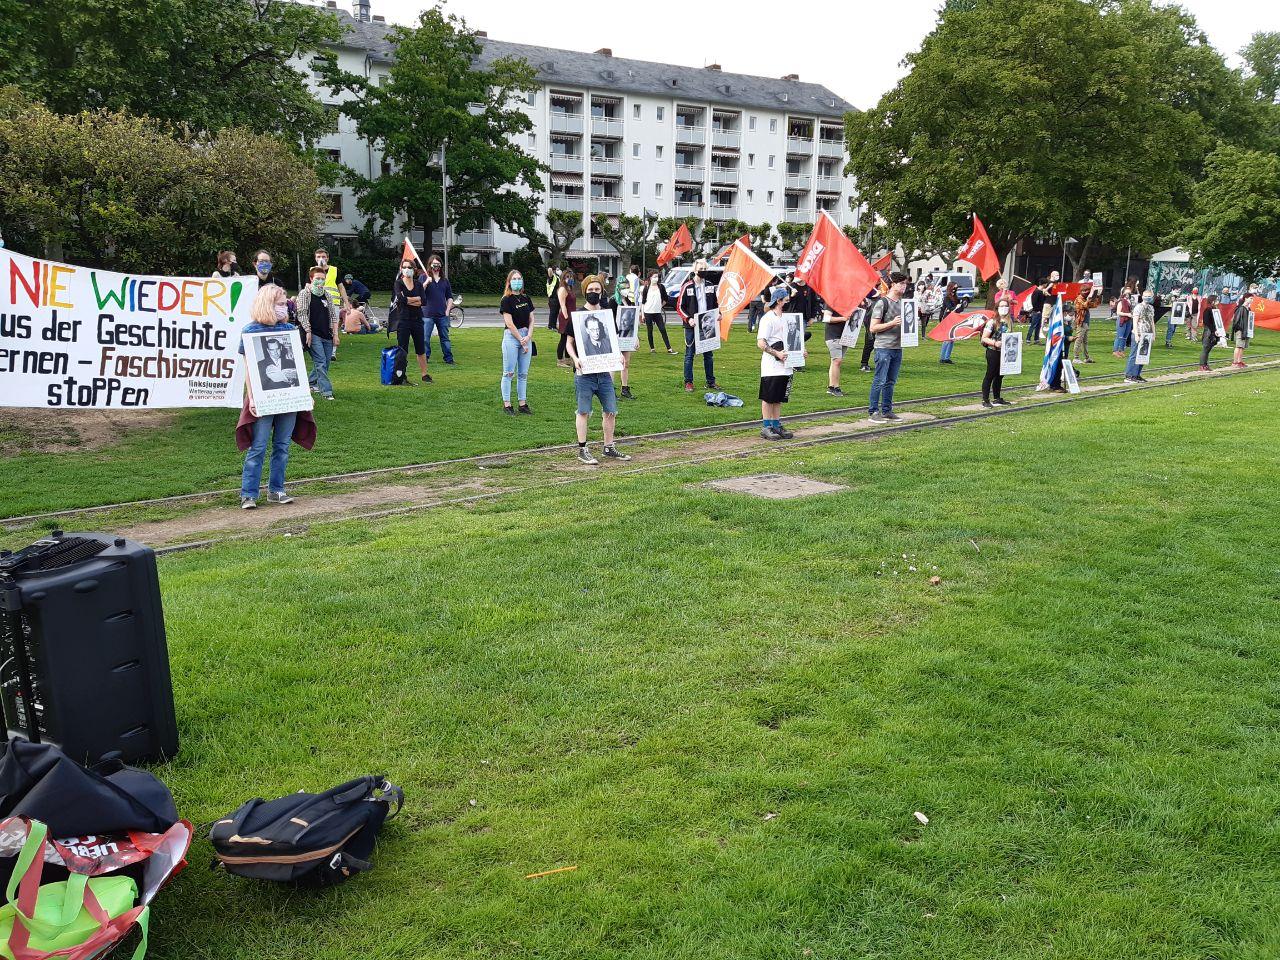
(471, 239)
(606, 127)
(834, 213)
(689, 173)
(802, 146)
(685, 208)
(830, 184)
(799, 181)
(831, 148)
(561, 202)
(606, 167)
(565, 122)
(730, 139)
(606, 204)
(723, 211)
(727, 175)
(566, 162)
(791, 215)
(598, 245)
(688, 134)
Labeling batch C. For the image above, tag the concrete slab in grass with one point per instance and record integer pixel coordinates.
(775, 486)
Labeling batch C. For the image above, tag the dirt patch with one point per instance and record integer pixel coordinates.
(58, 431)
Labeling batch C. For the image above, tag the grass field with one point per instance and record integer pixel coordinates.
(725, 711)
(460, 414)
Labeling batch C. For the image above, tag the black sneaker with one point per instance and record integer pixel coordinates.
(613, 453)
(986, 404)
(784, 433)
(584, 454)
(626, 393)
(770, 434)
(524, 408)
(508, 410)
(835, 392)
(426, 378)
(451, 363)
(1001, 402)
(891, 416)
(864, 368)
(713, 385)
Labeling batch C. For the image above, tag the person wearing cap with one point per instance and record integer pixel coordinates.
(886, 327)
(1240, 323)
(357, 293)
(775, 375)
(696, 296)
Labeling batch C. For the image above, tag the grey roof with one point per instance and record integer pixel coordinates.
(574, 69)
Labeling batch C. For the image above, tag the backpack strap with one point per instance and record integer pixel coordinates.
(390, 793)
(229, 827)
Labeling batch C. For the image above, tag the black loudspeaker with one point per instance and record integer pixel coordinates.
(83, 660)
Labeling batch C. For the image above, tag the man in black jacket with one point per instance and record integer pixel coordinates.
(696, 296)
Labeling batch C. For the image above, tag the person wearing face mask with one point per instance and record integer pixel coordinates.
(886, 326)
(593, 385)
(1124, 321)
(1144, 321)
(1240, 325)
(651, 299)
(1085, 299)
(517, 341)
(435, 309)
(594, 289)
(262, 269)
(992, 332)
(566, 304)
(226, 265)
(336, 291)
(407, 295)
(696, 296)
(319, 315)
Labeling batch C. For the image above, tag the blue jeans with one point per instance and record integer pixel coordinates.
(946, 350)
(278, 429)
(888, 361)
(1123, 330)
(1168, 334)
(708, 359)
(321, 353)
(515, 363)
(442, 325)
(1131, 368)
(1033, 328)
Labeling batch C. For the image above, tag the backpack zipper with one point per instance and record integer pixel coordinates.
(294, 857)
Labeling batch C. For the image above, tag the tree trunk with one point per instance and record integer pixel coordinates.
(1079, 258)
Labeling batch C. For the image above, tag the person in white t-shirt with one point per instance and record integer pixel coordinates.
(775, 375)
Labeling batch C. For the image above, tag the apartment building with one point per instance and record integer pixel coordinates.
(625, 136)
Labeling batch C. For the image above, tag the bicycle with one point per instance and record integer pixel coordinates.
(457, 316)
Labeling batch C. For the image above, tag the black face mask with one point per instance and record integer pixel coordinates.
(593, 298)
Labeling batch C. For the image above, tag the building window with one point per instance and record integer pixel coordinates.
(659, 114)
(635, 111)
(335, 156)
(635, 149)
(657, 189)
(770, 196)
(532, 98)
(751, 161)
(386, 168)
(751, 195)
(751, 124)
(635, 188)
(773, 125)
(657, 151)
(771, 161)
(334, 212)
(533, 141)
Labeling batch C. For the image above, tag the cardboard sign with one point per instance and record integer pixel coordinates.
(628, 322)
(595, 340)
(1221, 331)
(277, 374)
(1179, 314)
(910, 323)
(1069, 375)
(1143, 356)
(706, 331)
(852, 328)
(1011, 354)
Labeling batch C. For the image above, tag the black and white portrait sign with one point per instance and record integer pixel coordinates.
(706, 331)
(1011, 354)
(853, 327)
(596, 341)
(1218, 328)
(910, 324)
(794, 340)
(1179, 315)
(1143, 356)
(277, 375)
(628, 319)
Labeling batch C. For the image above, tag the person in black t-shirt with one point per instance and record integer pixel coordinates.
(318, 315)
(407, 297)
(517, 341)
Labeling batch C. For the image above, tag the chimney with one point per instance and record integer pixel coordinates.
(378, 19)
(792, 76)
(712, 66)
(481, 33)
(331, 4)
(605, 52)
(360, 9)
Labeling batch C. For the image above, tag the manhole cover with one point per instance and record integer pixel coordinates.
(776, 486)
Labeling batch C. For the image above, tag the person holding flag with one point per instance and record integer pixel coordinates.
(1054, 341)
(696, 296)
(886, 327)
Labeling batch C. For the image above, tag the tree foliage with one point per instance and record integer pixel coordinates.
(1262, 62)
(1235, 221)
(435, 97)
(115, 190)
(625, 233)
(1072, 119)
(564, 229)
(207, 64)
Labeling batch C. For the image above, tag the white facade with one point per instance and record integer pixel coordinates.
(752, 156)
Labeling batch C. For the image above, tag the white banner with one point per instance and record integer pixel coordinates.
(77, 337)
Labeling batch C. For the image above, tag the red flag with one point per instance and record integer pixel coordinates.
(884, 263)
(681, 242)
(745, 239)
(745, 275)
(960, 326)
(835, 268)
(409, 253)
(978, 251)
(1266, 313)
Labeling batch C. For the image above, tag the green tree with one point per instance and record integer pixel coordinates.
(114, 190)
(792, 237)
(1235, 221)
(624, 233)
(1262, 62)
(564, 229)
(207, 64)
(436, 101)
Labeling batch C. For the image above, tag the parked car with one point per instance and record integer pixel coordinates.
(962, 280)
(676, 276)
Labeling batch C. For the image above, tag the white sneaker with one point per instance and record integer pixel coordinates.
(248, 503)
(280, 497)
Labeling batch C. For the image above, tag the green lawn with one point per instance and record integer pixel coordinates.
(725, 711)
(370, 425)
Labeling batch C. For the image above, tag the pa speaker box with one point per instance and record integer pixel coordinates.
(83, 660)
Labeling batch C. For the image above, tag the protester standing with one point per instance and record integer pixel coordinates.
(1124, 321)
(587, 386)
(1144, 322)
(262, 269)
(435, 309)
(1209, 335)
(992, 332)
(950, 303)
(1240, 326)
(1083, 302)
(517, 341)
(319, 317)
(886, 327)
(566, 304)
(226, 267)
(593, 291)
(553, 297)
(775, 375)
(1193, 315)
(1039, 301)
(270, 312)
(651, 298)
(407, 297)
(868, 341)
(833, 331)
(696, 296)
(1175, 298)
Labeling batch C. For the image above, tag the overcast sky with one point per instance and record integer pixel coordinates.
(854, 47)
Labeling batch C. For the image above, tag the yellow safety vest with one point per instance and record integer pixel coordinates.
(331, 284)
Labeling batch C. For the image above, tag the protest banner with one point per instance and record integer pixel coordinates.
(78, 337)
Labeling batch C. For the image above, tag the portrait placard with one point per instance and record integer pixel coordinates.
(596, 341)
(706, 331)
(1218, 328)
(910, 323)
(852, 328)
(1179, 314)
(277, 375)
(795, 340)
(1143, 356)
(1011, 354)
(628, 320)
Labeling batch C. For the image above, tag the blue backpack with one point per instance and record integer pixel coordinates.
(392, 368)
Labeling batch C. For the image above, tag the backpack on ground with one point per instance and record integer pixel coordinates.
(394, 362)
(315, 840)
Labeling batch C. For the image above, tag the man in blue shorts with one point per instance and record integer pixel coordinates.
(588, 385)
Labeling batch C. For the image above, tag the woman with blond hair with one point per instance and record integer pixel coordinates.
(516, 309)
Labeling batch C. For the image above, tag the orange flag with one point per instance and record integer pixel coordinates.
(745, 238)
(681, 242)
(977, 250)
(409, 253)
(884, 263)
(745, 275)
(835, 267)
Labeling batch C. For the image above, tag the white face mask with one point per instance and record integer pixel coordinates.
(406, 271)
(1004, 311)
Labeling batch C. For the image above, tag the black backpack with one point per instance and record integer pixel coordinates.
(311, 839)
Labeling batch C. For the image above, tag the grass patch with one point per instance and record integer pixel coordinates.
(725, 710)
